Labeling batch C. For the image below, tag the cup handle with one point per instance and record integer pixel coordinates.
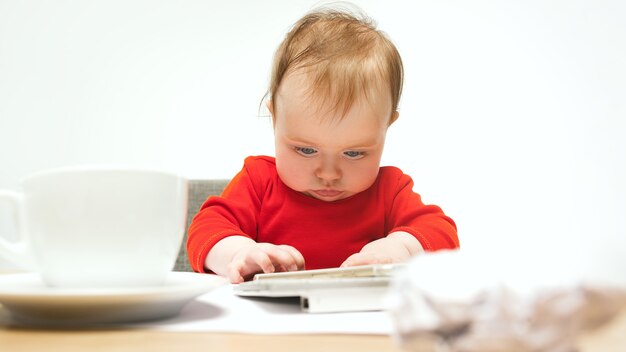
(16, 252)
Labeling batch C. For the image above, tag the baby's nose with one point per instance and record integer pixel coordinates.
(328, 171)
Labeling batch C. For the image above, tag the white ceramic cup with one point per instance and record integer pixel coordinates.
(97, 226)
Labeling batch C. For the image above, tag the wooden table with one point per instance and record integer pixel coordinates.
(608, 338)
(93, 340)
(155, 341)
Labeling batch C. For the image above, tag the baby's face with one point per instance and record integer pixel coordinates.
(322, 154)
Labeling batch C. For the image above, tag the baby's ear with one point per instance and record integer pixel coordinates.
(394, 117)
(270, 108)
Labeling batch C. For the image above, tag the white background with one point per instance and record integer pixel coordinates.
(512, 117)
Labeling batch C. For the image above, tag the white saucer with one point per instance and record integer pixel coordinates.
(31, 302)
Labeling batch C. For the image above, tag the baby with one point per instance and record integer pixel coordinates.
(324, 200)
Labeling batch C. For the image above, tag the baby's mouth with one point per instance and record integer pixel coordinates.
(327, 192)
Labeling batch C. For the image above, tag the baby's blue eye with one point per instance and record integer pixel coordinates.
(306, 151)
(353, 154)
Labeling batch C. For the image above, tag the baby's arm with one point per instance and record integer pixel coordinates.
(239, 257)
(396, 247)
(415, 227)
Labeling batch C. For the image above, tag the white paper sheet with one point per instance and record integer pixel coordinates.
(222, 311)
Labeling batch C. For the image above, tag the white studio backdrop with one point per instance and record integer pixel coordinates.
(512, 117)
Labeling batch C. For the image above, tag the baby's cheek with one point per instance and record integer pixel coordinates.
(294, 175)
(364, 178)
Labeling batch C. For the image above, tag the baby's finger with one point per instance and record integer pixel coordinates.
(234, 274)
(296, 255)
(262, 260)
(281, 257)
(359, 259)
(244, 265)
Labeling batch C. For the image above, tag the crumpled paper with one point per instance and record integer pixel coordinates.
(456, 301)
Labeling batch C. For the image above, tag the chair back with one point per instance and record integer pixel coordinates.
(199, 191)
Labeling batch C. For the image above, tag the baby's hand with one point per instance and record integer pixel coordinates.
(367, 258)
(263, 258)
(396, 247)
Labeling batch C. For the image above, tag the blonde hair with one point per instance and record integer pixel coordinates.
(344, 56)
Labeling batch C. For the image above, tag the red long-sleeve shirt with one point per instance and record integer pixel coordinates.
(258, 205)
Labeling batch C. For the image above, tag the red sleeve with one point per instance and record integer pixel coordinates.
(432, 228)
(233, 214)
